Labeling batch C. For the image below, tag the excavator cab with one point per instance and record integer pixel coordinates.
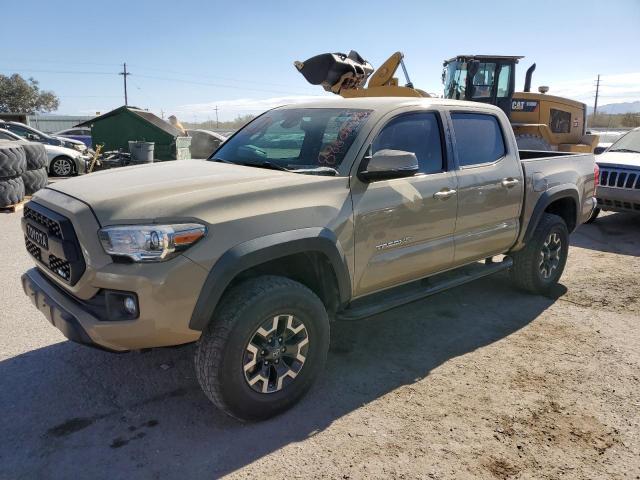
(481, 78)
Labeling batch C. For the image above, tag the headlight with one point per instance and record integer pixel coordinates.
(80, 148)
(150, 243)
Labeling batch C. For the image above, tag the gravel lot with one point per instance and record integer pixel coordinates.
(482, 381)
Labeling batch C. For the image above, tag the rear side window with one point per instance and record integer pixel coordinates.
(478, 138)
(560, 121)
(414, 132)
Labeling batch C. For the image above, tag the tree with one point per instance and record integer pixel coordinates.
(24, 96)
(631, 120)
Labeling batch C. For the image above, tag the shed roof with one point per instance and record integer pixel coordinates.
(145, 115)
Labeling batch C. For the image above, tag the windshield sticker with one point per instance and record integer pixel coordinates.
(347, 133)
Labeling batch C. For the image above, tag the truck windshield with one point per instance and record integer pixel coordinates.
(302, 140)
(627, 143)
(455, 80)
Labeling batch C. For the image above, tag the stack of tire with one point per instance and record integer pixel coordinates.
(23, 170)
(36, 175)
(13, 164)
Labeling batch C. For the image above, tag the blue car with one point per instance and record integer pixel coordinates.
(82, 134)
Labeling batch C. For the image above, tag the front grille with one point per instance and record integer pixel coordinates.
(619, 178)
(52, 226)
(60, 267)
(61, 253)
(33, 249)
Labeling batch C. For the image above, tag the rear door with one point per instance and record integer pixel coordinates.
(490, 185)
(404, 226)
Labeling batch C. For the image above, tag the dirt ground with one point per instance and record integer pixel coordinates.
(478, 382)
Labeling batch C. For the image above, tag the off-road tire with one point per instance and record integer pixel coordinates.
(34, 180)
(35, 154)
(527, 141)
(12, 160)
(525, 272)
(52, 167)
(220, 350)
(11, 191)
(594, 215)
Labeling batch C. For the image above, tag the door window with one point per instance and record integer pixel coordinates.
(483, 80)
(503, 81)
(418, 133)
(478, 138)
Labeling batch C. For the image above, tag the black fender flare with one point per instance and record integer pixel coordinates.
(547, 198)
(263, 249)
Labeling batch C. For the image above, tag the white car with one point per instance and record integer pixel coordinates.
(63, 161)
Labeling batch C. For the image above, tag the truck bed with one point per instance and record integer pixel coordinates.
(547, 172)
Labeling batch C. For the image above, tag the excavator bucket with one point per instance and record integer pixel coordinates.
(336, 71)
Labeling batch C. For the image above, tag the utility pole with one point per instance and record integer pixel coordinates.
(595, 106)
(125, 74)
(217, 123)
(162, 113)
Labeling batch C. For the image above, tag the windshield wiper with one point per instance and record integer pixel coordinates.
(317, 171)
(265, 164)
(222, 160)
(628, 150)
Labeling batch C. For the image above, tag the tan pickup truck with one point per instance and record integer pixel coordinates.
(310, 214)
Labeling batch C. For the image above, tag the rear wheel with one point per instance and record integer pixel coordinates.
(61, 167)
(538, 267)
(265, 347)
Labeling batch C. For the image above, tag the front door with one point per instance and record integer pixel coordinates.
(404, 226)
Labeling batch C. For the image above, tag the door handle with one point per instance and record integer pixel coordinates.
(510, 182)
(444, 194)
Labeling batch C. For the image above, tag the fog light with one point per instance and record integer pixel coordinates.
(130, 306)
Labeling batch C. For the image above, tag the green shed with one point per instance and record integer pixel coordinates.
(116, 128)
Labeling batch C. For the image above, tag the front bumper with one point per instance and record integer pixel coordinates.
(163, 319)
(59, 308)
(618, 199)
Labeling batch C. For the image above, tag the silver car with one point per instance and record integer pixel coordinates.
(618, 189)
(62, 161)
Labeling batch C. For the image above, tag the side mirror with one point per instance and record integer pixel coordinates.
(599, 150)
(386, 164)
(31, 136)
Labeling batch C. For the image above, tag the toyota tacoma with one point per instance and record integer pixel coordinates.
(310, 214)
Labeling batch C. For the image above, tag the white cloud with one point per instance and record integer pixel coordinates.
(229, 109)
(617, 88)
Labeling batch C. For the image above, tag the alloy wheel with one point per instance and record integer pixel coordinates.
(550, 255)
(275, 354)
(62, 167)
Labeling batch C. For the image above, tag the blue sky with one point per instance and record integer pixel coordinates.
(186, 57)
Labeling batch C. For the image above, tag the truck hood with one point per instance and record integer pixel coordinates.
(620, 159)
(181, 189)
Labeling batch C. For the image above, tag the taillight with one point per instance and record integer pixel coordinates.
(596, 174)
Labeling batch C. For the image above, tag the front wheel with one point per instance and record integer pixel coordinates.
(265, 347)
(61, 167)
(537, 268)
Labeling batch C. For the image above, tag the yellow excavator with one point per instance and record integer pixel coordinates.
(540, 121)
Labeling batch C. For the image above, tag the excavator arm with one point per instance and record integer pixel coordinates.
(347, 74)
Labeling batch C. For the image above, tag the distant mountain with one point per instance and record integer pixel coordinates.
(615, 108)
